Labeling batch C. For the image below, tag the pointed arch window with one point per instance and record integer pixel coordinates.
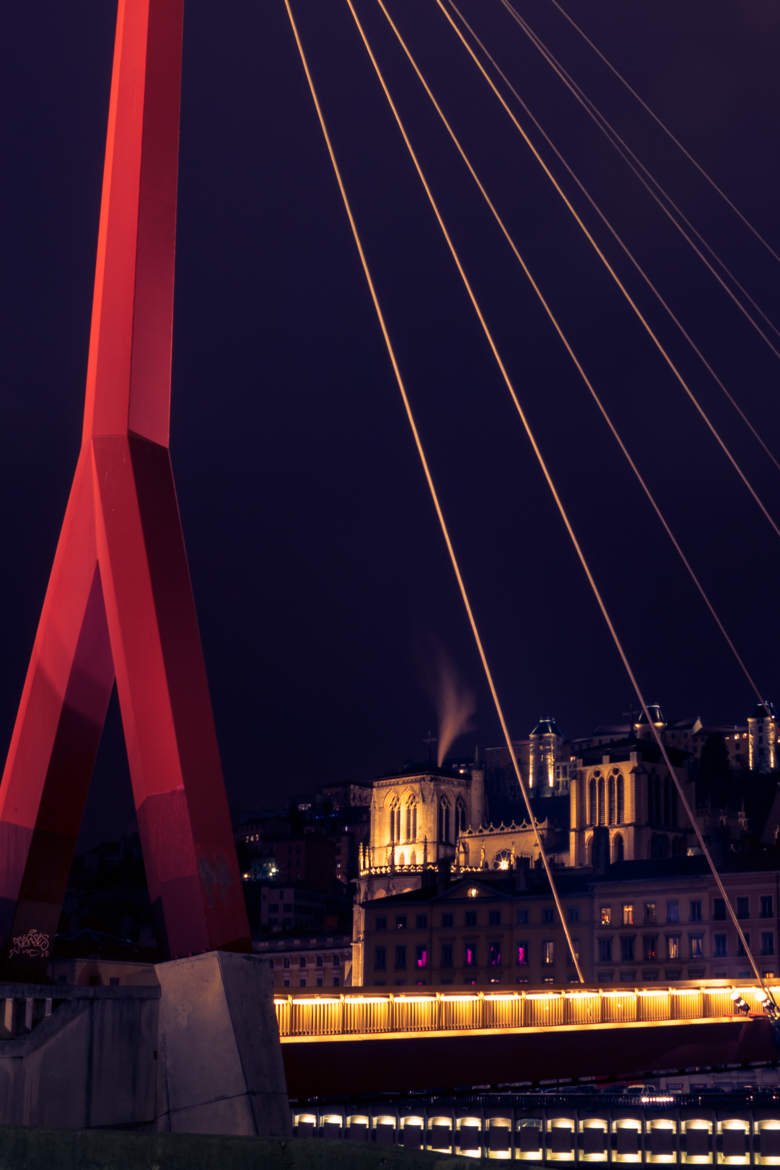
(592, 802)
(445, 834)
(601, 801)
(611, 802)
(411, 819)
(620, 799)
(395, 821)
(460, 816)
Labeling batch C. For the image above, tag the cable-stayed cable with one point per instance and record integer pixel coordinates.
(429, 479)
(654, 189)
(620, 242)
(704, 173)
(610, 269)
(572, 354)
(561, 510)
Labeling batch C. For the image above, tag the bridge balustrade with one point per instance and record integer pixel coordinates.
(355, 1013)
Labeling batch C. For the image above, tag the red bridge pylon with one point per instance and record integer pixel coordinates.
(119, 601)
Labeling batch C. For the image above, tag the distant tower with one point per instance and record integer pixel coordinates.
(642, 729)
(544, 753)
(762, 738)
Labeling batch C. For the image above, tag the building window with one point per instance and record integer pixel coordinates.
(740, 948)
(628, 914)
(548, 915)
(743, 907)
(650, 912)
(766, 906)
(627, 948)
(611, 802)
(767, 942)
(302, 961)
(337, 961)
(672, 946)
(649, 947)
(695, 910)
(605, 915)
(605, 950)
(444, 820)
(411, 819)
(446, 919)
(470, 918)
(522, 954)
(494, 954)
(421, 956)
(400, 958)
(470, 954)
(696, 946)
(460, 816)
(400, 922)
(521, 917)
(673, 911)
(620, 800)
(601, 800)
(573, 913)
(319, 960)
(494, 918)
(421, 921)
(548, 952)
(718, 910)
(285, 962)
(592, 802)
(720, 950)
(446, 955)
(395, 821)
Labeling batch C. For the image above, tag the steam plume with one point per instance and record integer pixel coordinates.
(455, 703)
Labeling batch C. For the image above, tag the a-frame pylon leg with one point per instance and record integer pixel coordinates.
(119, 599)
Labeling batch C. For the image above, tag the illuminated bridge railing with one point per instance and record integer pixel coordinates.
(303, 1015)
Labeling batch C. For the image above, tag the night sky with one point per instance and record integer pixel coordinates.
(320, 577)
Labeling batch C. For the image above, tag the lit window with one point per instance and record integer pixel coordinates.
(470, 954)
(628, 914)
(672, 946)
(472, 892)
(649, 947)
(548, 952)
(522, 954)
(494, 954)
(400, 922)
(696, 945)
(421, 956)
(605, 914)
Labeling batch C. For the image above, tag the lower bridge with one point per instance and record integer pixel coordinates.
(441, 1039)
(740, 1129)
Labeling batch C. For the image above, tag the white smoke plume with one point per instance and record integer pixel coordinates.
(456, 704)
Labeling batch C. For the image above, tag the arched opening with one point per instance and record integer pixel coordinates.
(611, 802)
(601, 800)
(503, 859)
(395, 821)
(618, 848)
(445, 834)
(620, 802)
(411, 819)
(592, 802)
(460, 816)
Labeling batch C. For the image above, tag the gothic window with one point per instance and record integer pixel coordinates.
(503, 859)
(601, 801)
(460, 816)
(619, 816)
(444, 820)
(592, 802)
(395, 821)
(611, 802)
(618, 851)
(411, 819)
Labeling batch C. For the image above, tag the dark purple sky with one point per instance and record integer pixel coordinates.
(319, 571)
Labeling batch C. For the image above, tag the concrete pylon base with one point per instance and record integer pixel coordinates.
(220, 1061)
